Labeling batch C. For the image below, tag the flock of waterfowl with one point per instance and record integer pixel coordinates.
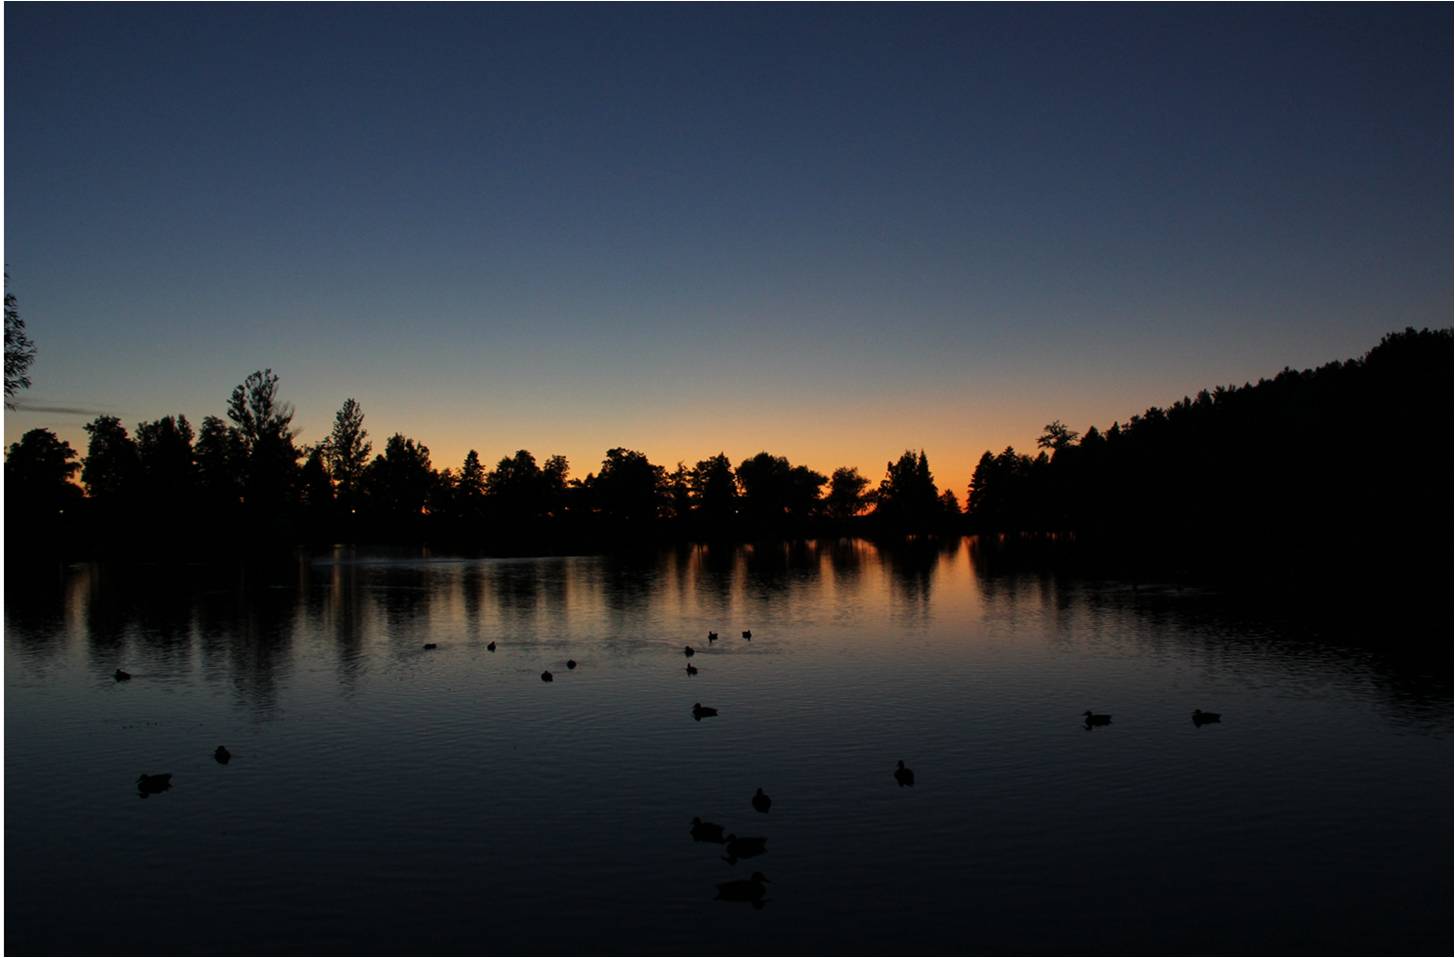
(736, 847)
(752, 889)
(1199, 718)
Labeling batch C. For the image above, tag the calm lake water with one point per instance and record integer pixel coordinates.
(385, 798)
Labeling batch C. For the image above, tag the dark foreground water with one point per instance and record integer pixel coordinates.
(384, 798)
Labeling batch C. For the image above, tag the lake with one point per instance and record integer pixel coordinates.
(386, 798)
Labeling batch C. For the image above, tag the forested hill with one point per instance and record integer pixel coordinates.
(1340, 474)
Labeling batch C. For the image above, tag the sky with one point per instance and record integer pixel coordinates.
(830, 232)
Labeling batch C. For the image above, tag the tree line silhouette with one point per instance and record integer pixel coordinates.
(248, 481)
(1314, 477)
(1285, 477)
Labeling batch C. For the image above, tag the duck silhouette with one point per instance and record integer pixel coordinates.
(570, 663)
(222, 755)
(546, 676)
(748, 634)
(121, 676)
(706, 832)
(1093, 719)
(743, 847)
(700, 711)
(762, 802)
(751, 890)
(490, 647)
(153, 784)
(691, 669)
(904, 776)
(431, 645)
(689, 651)
(712, 636)
(1201, 718)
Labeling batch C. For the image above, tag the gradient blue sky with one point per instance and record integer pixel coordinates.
(830, 232)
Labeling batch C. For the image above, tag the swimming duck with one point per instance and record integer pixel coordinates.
(222, 755)
(570, 663)
(1199, 717)
(762, 802)
(490, 647)
(1093, 719)
(904, 776)
(744, 847)
(700, 711)
(431, 645)
(751, 890)
(712, 636)
(153, 784)
(546, 676)
(748, 634)
(689, 651)
(121, 676)
(691, 669)
(706, 831)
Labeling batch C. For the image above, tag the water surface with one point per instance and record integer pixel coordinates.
(385, 798)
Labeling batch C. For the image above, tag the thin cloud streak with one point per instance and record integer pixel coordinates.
(21, 405)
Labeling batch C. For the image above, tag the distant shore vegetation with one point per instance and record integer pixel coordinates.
(1309, 464)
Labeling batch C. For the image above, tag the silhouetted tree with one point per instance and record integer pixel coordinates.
(317, 494)
(679, 493)
(1056, 436)
(763, 481)
(38, 471)
(113, 466)
(714, 492)
(553, 485)
(629, 490)
(165, 450)
(778, 497)
(346, 451)
(265, 425)
(907, 499)
(521, 494)
(846, 498)
(442, 501)
(221, 458)
(469, 498)
(43, 507)
(256, 410)
(516, 489)
(472, 475)
(19, 350)
(168, 477)
(397, 485)
(805, 488)
(999, 498)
